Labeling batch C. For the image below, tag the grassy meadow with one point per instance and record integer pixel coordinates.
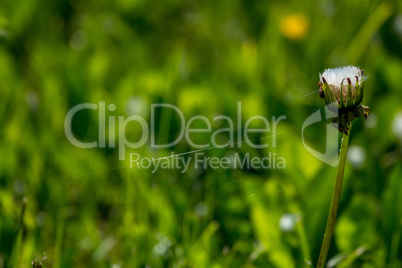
(85, 207)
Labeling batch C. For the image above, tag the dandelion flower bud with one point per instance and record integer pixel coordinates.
(347, 82)
(343, 87)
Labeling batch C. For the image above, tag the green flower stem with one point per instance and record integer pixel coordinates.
(329, 230)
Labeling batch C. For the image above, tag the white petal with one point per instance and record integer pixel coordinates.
(335, 76)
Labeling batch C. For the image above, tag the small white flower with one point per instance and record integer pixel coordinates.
(288, 221)
(356, 156)
(341, 78)
(342, 89)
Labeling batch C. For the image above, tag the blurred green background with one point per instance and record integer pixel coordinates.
(84, 209)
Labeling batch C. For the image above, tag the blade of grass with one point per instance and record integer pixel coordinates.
(304, 243)
(16, 254)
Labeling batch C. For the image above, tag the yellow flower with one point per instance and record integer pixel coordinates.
(294, 26)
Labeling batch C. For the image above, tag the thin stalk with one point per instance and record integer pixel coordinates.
(329, 230)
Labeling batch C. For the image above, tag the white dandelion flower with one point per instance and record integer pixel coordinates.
(338, 81)
(342, 89)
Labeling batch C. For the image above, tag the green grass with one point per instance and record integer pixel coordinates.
(85, 210)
